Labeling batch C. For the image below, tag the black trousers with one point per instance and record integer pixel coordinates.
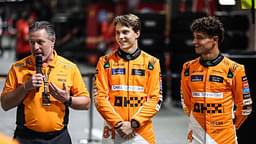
(27, 136)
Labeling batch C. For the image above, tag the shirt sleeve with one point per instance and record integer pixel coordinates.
(11, 82)
(185, 91)
(242, 96)
(78, 88)
(152, 105)
(101, 97)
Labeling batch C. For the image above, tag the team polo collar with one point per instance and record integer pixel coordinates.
(128, 56)
(53, 63)
(30, 62)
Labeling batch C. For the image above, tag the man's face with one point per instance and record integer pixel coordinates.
(126, 38)
(41, 44)
(203, 43)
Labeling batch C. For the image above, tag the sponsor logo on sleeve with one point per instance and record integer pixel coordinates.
(246, 95)
(246, 90)
(244, 78)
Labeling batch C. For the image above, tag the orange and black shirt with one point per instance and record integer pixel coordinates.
(31, 113)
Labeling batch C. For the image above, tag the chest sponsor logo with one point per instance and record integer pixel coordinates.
(61, 80)
(208, 108)
(137, 64)
(131, 101)
(127, 88)
(217, 79)
(138, 72)
(197, 78)
(207, 94)
(118, 64)
(217, 71)
(118, 71)
(62, 74)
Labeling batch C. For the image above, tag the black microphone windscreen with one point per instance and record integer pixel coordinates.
(39, 62)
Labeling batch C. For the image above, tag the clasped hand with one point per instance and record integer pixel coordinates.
(125, 130)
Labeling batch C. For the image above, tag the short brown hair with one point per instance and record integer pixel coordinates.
(129, 20)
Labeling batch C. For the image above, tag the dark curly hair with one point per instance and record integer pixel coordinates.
(210, 25)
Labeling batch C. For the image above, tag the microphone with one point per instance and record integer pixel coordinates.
(38, 66)
(45, 95)
(39, 62)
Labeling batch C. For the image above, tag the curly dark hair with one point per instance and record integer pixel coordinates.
(210, 25)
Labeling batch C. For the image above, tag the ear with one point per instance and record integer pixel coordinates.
(216, 38)
(138, 34)
(53, 42)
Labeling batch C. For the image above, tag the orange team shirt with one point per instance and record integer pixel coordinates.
(33, 115)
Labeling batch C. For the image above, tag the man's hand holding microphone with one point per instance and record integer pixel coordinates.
(36, 80)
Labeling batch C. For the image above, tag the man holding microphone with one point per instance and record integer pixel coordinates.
(43, 86)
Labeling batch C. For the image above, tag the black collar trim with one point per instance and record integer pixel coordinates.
(128, 56)
(214, 62)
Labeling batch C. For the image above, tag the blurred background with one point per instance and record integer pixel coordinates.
(85, 32)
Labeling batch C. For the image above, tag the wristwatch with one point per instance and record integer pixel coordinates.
(69, 101)
(135, 124)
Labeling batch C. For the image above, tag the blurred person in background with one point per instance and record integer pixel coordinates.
(1, 34)
(214, 89)
(43, 90)
(128, 87)
(22, 39)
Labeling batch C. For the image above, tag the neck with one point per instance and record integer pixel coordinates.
(211, 56)
(49, 59)
(132, 49)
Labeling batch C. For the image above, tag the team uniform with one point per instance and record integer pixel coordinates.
(210, 90)
(33, 119)
(128, 86)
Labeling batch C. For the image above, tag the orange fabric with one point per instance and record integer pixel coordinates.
(128, 90)
(45, 118)
(208, 95)
(7, 140)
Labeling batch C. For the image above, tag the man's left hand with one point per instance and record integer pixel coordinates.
(60, 94)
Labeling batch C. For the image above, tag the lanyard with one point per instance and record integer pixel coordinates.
(46, 96)
(46, 90)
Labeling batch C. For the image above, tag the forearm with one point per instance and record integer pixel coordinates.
(13, 98)
(147, 111)
(80, 102)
